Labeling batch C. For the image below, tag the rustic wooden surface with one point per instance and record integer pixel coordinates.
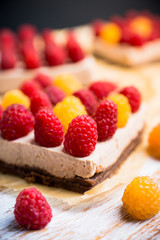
(99, 218)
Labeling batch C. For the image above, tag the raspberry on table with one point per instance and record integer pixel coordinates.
(81, 137)
(15, 96)
(29, 88)
(38, 101)
(32, 210)
(55, 55)
(68, 109)
(97, 26)
(75, 51)
(48, 129)
(67, 83)
(55, 94)
(102, 89)
(1, 112)
(88, 99)
(8, 59)
(17, 121)
(154, 141)
(141, 198)
(106, 119)
(31, 58)
(26, 32)
(111, 33)
(43, 80)
(124, 109)
(134, 97)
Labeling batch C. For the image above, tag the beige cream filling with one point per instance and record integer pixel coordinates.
(24, 151)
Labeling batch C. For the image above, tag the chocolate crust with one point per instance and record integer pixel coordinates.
(76, 184)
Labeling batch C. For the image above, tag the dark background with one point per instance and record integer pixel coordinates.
(66, 13)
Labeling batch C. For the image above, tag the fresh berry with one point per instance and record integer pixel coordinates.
(29, 88)
(102, 89)
(154, 141)
(75, 52)
(97, 26)
(55, 94)
(43, 80)
(7, 38)
(55, 55)
(31, 59)
(135, 40)
(106, 119)
(88, 99)
(48, 129)
(26, 32)
(38, 101)
(141, 198)
(124, 109)
(142, 26)
(8, 60)
(1, 112)
(15, 96)
(47, 35)
(32, 210)
(16, 122)
(81, 137)
(111, 33)
(67, 83)
(68, 109)
(134, 97)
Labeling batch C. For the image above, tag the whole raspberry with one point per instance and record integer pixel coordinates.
(38, 101)
(32, 59)
(153, 140)
(134, 97)
(68, 109)
(55, 55)
(68, 83)
(88, 99)
(16, 122)
(141, 198)
(55, 94)
(32, 210)
(8, 60)
(75, 52)
(48, 129)
(1, 112)
(26, 32)
(43, 80)
(124, 109)
(81, 137)
(29, 88)
(102, 89)
(15, 96)
(136, 40)
(106, 119)
(97, 26)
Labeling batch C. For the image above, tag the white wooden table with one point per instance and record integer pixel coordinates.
(99, 218)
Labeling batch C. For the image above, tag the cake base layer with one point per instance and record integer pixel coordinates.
(76, 184)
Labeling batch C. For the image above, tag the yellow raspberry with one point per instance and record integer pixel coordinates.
(68, 109)
(67, 83)
(141, 198)
(142, 26)
(124, 108)
(154, 141)
(111, 33)
(15, 96)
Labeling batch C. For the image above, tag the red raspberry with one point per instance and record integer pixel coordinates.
(102, 89)
(55, 94)
(7, 38)
(26, 32)
(8, 60)
(81, 137)
(133, 96)
(38, 101)
(97, 26)
(88, 99)
(136, 40)
(32, 210)
(31, 58)
(106, 119)
(43, 80)
(16, 122)
(47, 36)
(75, 52)
(48, 129)
(30, 88)
(1, 112)
(55, 55)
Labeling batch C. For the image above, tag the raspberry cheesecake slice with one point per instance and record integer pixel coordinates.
(67, 147)
(27, 52)
(130, 40)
